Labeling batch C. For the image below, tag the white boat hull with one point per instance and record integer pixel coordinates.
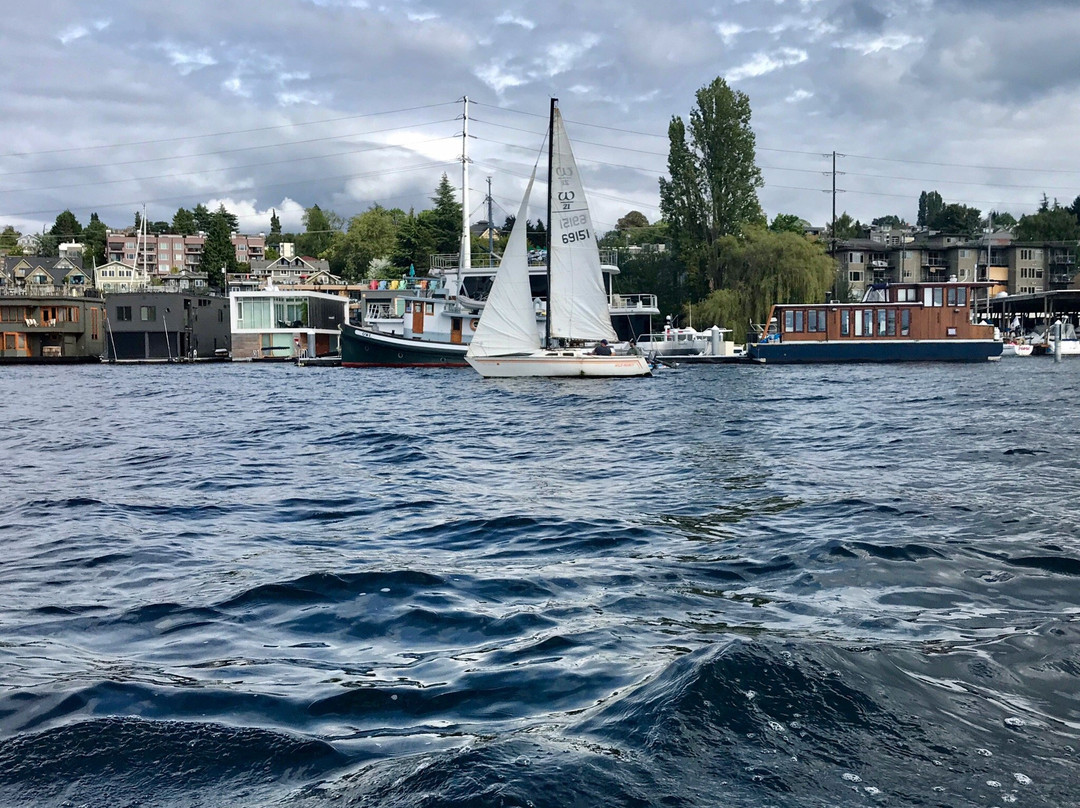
(1016, 349)
(1069, 347)
(559, 364)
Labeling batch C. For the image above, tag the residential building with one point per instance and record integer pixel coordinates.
(285, 323)
(161, 255)
(49, 311)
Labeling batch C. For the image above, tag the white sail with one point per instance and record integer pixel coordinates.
(577, 302)
(508, 322)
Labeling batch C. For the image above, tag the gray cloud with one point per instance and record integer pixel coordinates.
(109, 104)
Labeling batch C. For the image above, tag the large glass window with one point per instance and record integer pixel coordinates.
(939, 297)
(845, 323)
(961, 296)
(789, 321)
(858, 322)
(148, 313)
(868, 322)
(905, 322)
(290, 312)
(890, 323)
(799, 321)
(881, 322)
(123, 314)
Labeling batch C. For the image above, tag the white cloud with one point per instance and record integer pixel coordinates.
(890, 42)
(763, 63)
(562, 55)
(187, 60)
(288, 99)
(728, 32)
(495, 75)
(236, 86)
(421, 16)
(72, 33)
(507, 18)
(799, 95)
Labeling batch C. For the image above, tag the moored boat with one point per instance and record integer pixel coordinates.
(903, 322)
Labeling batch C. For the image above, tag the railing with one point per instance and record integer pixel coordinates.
(633, 302)
(49, 290)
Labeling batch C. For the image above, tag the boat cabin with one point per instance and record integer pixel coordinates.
(894, 311)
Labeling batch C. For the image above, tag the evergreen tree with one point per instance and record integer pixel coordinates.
(274, 239)
(9, 241)
(95, 237)
(319, 233)
(415, 243)
(65, 228)
(183, 223)
(445, 220)
(201, 216)
(219, 254)
(231, 218)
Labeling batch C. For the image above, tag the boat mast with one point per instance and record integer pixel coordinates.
(551, 149)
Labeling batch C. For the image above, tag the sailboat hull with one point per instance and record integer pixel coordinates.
(559, 364)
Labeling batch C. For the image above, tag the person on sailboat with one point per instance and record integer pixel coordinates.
(602, 348)
(634, 350)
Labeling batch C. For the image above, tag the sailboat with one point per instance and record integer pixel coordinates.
(506, 342)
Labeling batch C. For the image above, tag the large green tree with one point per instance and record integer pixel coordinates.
(94, 238)
(371, 235)
(320, 228)
(65, 228)
(712, 190)
(1051, 223)
(219, 254)
(958, 219)
(183, 222)
(445, 220)
(415, 243)
(930, 205)
(764, 267)
(202, 217)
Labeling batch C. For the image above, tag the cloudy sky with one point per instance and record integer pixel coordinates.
(110, 105)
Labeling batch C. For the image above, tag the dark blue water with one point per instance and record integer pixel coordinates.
(723, 586)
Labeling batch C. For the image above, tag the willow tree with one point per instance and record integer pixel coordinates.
(763, 267)
(712, 190)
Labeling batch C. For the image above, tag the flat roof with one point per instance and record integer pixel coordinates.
(1063, 300)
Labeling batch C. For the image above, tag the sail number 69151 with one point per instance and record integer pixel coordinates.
(577, 235)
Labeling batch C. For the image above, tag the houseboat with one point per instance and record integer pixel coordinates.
(50, 313)
(284, 324)
(902, 322)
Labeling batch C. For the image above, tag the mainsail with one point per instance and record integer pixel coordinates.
(577, 302)
(508, 323)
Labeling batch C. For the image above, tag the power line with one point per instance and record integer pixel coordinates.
(226, 133)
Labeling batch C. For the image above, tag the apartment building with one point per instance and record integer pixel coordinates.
(156, 256)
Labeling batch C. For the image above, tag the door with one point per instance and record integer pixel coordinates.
(455, 330)
(418, 318)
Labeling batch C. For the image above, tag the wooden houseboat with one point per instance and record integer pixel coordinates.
(901, 322)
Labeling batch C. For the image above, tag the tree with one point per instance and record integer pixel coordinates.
(9, 241)
(712, 190)
(1054, 223)
(372, 235)
(319, 229)
(846, 228)
(631, 220)
(95, 237)
(274, 239)
(959, 219)
(231, 218)
(1001, 220)
(65, 228)
(789, 223)
(890, 221)
(930, 205)
(445, 218)
(183, 222)
(415, 242)
(219, 254)
(762, 268)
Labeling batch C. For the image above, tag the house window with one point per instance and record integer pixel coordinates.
(123, 314)
(799, 321)
(881, 322)
(951, 296)
(868, 322)
(939, 297)
(890, 323)
(148, 313)
(855, 276)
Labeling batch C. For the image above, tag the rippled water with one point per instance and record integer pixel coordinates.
(722, 586)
